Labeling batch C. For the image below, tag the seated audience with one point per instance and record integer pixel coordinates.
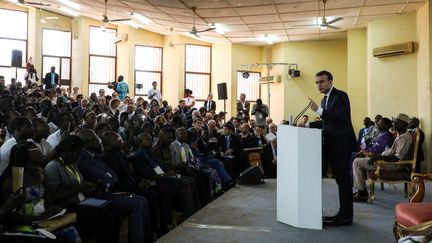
(400, 150)
(68, 188)
(94, 169)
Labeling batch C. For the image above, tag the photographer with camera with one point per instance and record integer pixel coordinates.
(260, 111)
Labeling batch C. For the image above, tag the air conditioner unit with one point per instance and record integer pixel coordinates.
(120, 37)
(394, 50)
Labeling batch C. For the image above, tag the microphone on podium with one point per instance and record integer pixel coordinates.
(301, 114)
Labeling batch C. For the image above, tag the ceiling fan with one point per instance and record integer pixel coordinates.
(194, 30)
(29, 3)
(105, 20)
(324, 23)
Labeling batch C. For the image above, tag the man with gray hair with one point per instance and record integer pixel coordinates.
(243, 108)
(272, 133)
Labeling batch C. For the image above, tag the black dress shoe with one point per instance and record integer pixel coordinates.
(329, 218)
(338, 222)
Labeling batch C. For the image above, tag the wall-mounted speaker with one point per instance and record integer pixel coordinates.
(222, 91)
(16, 60)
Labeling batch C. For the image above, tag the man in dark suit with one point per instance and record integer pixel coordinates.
(243, 108)
(210, 104)
(51, 79)
(230, 150)
(339, 143)
(269, 159)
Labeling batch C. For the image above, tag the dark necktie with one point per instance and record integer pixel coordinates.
(324, 102)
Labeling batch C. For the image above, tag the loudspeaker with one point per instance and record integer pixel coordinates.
(252, 176)
(222, 91)
(16, 60)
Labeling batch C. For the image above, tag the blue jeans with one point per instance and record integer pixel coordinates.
(220, 168)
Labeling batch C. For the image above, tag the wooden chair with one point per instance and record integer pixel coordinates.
(395, 172)
(414, 217)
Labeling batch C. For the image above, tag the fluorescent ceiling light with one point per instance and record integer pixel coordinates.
(219, 28)
(132, 24)
(71, 4)
(141, 18)
(13, 1)
(268, 39)
(69, 11)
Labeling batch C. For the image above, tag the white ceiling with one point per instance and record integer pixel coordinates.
(247, 21)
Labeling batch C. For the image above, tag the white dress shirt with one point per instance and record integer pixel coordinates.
(327, 95)
(5, 150)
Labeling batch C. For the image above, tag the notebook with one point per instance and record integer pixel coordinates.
(94, 202)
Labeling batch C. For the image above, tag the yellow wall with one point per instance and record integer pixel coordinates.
(357, 76)
(221, 73)
(392, 81)
(311, 57)
(424, 76)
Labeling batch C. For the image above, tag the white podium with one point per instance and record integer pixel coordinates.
(299, 184)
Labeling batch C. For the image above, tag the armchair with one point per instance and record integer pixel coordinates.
(414, 217)
(395, 172)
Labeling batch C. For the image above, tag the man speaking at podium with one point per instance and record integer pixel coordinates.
(339, 143)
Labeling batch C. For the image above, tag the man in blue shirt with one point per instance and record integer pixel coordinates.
(122, 88)
(51, 79)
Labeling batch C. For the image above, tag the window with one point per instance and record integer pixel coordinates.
(198, 72)
(56, 51)
(12, 37)
(248, 86)
(148, 68)
(103, 59)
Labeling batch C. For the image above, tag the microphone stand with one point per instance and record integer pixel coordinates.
(301, 114)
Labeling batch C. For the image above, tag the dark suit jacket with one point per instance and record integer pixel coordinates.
(249, 141)
(47, 80)
(267, 159)
(337, 115)
(117, 161)
(212, 105)
(240, 110)
(235, 144)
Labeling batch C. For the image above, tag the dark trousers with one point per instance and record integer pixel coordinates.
(97, 222)
(136, 209)
(202, 182)
(161, 197)
(337, 151)
(185, 190)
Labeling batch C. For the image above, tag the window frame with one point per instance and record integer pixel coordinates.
(25, 58)
(200, 73)
(68, 81)
(148, 71)
(97, 55)
(259, 86)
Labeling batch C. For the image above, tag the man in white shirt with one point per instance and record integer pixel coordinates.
(272, 133)
(66, 124)
(21, 129)
(154, 94)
